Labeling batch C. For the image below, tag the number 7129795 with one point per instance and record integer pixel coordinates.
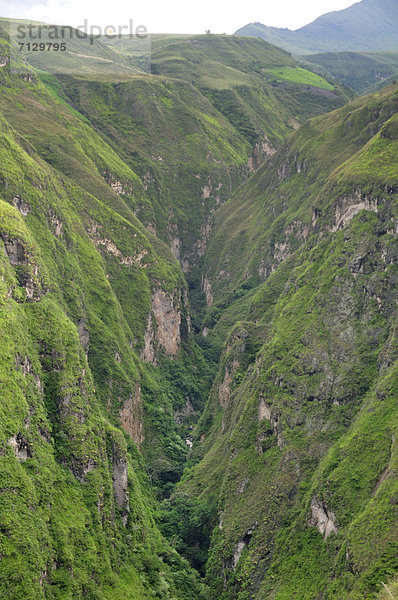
(42, 46)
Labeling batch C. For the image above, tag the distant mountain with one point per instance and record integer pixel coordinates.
(361, 71)
(370, 25)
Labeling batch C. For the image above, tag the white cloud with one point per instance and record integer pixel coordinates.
(176, 16)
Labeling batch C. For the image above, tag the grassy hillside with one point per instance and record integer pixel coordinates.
(360, 71)
(82, 53)
(301, 76)
(297, 445)
(366, 26)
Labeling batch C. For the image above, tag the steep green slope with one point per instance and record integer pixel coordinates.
(366, 26)
(89, 301)
(360, 71)
(298, 441)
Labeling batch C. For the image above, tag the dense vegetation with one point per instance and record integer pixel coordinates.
(198, 323)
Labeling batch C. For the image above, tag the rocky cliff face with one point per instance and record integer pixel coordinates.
(163, 329)
(120, 478)
(322, 518)
(132, 417)
(24, 263)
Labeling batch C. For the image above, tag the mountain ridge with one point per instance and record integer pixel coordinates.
(366, 26)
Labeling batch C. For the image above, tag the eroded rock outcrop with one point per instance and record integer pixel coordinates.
(118, 186)
(262, 150)
(26, 267)
(243, 543)
(163, 330)
(131, 416)
(20, 447)
(207, 289)
(148, 352)
(224, 390)
(15, 250)
(120, 477)
(348, 207)
(22, 206)
(322, 518)
(266, 414)
(84, 334)
(175, 247)
(205, 232)
(56, 224)
(23, 364)
(107, 246)
(264, 411)
(278, 252)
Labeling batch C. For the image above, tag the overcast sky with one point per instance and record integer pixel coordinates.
(174, 16)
